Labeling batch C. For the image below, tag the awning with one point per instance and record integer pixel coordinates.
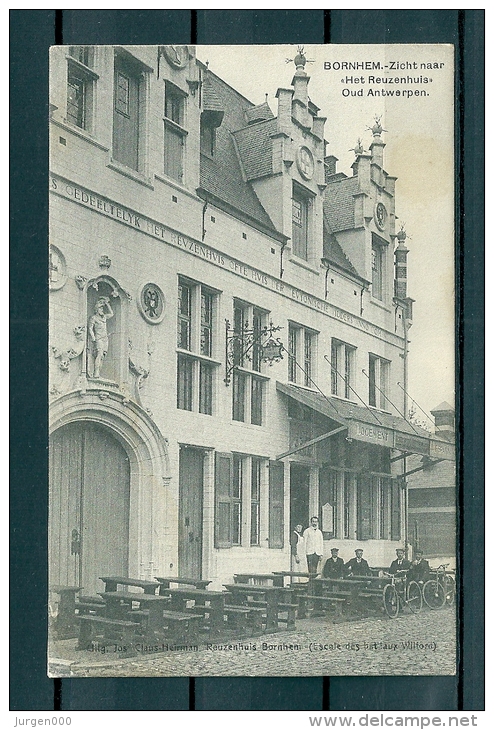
(373, 427)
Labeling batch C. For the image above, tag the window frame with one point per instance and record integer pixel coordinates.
(236, 499)
(304, 341)
(174, 127)
(248, 402)
(87, 78)
(204, 366)
(379, 372)
(343, 357)
(302, 242)
(379, 278)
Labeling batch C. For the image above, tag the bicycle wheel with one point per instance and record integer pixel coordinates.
(433, 593)
(414, 597)
(449, 590)
(391, 601)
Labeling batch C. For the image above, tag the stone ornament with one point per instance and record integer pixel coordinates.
(177, 56)
(305, 162)
(380, 216)
(98, 334)
(70, 353)
(151, 303)
(57, 271)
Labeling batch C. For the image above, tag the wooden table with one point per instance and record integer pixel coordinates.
(352, 592)
(210, 602)
(111, 583)
(65, 624)
(166, 582)
(119, 607)
(259, 578)
(244, 594)
(294, 574)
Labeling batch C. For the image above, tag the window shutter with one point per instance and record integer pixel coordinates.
(276, 503)
(395, 510)
(223, 499)
(364, 507)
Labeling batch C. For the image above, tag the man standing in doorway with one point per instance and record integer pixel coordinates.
(314, 545)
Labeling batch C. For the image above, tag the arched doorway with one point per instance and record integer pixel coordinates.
(89, 505)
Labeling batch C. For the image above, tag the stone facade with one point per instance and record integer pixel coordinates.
(167, 185)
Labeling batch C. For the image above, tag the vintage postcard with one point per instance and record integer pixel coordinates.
(252, 361)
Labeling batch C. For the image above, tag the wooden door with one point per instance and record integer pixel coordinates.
(89, 506)
(191, 484)
(299, 496)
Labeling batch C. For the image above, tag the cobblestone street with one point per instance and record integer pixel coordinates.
(423, 643)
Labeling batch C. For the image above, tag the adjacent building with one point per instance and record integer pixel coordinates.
(228, 325)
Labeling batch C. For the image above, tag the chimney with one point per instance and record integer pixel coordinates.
(377, 146)
(329, 167)
(401, 253)
(300, 83)
(444, 416)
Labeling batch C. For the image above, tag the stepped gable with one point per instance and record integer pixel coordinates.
(222, 176)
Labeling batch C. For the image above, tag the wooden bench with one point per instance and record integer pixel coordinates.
(92, 605)
(148, 586)
(334, 602)
(184, 627)
(119, 633)
(237, 617)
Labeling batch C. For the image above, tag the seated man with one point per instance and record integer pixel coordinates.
(420, 568)
(357, 565)
(334, 566)
(400, 563)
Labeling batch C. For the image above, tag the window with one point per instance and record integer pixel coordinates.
(195, 344)
(255, 501)
(301, 203)
(378, 508)
(80, 87)
(342, 368)
(238, 483)
(128, 112)
(378, 261)
(237, 500)
(208, 139)
(378, 381)
(301, 355)
(174, 132)
(248, 381)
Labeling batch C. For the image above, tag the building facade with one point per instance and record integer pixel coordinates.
(228, 326)
(432, 496)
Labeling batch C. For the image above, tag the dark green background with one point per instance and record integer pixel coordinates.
(32, 32)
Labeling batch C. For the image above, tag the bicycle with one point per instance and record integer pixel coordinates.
(439, 590)
(450, 588)
(400, 593)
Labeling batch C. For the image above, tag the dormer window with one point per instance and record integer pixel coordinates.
(378, 259)
(301, 204)
(208, 139)
(174, 132)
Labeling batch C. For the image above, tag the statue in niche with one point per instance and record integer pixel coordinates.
(98, 333)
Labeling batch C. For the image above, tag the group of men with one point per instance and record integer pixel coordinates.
(307, 545)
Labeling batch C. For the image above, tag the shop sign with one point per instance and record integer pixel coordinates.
(442, 450)
(371, 434)
(413, 444)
